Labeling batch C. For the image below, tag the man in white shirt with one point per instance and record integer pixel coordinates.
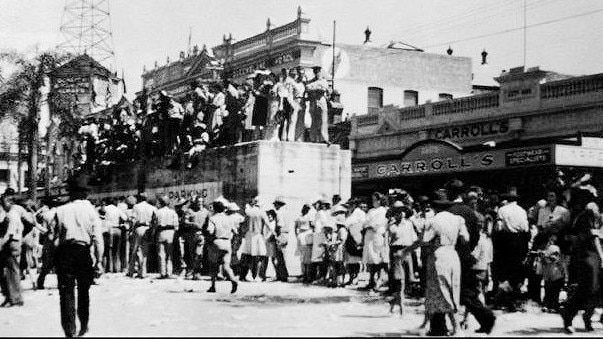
(143, 214)
(510, 243)
(222, 228)
(78, 227)
(167, 225)
(114, 217)
(10, 249)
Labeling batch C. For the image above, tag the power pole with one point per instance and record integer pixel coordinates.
(86, 29)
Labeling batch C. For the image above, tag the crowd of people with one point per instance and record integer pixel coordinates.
(459, 249)
(289, 106)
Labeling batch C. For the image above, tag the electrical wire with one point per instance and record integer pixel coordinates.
(514, 29)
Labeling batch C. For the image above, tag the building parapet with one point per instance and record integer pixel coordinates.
(560, 93)
(572, 87)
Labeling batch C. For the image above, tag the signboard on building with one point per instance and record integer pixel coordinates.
(72, 85)
(208, 190)
(440, 158)
(535, 156)
(485, 129)
(578, 156)
(273, 61)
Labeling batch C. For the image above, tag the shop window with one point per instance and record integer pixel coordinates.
(411, 98)
(4, 175)
(375, 99)
(445, 96)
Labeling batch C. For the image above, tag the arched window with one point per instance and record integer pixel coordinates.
(375, 99)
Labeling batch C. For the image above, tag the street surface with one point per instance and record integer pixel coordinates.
(126, 307)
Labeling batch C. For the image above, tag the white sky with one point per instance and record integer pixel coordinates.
(149, 30)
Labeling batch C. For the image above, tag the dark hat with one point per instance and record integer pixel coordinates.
(441, 203)
(279, 201)
(316, 68)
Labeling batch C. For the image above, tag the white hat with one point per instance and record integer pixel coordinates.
(233, 206)
(222, 200)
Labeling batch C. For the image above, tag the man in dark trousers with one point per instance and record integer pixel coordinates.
(469, 284)
(78, 227)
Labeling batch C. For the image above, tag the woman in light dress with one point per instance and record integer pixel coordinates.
(303, 231)
(443, 267)
(375, 253)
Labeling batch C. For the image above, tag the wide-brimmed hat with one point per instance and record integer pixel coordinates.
(316, 68)
(339, 209)
(279, 201)
(233, 207)
(398, 204)
(223, 200)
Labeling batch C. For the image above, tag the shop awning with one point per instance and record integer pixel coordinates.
(429, 157)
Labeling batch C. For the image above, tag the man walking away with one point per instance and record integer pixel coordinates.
(78, 227)
(221, 228)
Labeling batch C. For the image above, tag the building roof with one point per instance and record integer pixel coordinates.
(82, 65)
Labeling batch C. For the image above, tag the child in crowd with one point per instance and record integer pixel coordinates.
(402, 234)
(552, 273)
(483, 254)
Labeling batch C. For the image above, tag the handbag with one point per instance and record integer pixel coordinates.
(352, 247)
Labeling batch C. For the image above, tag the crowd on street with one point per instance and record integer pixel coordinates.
(461, 249)
(289, 106)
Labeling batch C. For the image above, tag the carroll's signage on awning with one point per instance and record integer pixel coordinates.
(435, 159)
(468, 131)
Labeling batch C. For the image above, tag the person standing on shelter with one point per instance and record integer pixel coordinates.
(78, 227)
(299, 105)
(167, 225)
(221, 228)
(10, 249)
(317, 89)
(143, 215)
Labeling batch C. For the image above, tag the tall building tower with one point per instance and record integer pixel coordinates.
(86, 29)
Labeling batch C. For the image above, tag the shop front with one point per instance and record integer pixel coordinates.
(429, 164)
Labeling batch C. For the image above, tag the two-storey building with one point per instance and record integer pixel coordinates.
(537, 126)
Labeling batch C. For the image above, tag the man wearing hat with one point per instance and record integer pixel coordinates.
(282, 238)
(195, 219)
(221, 228)
(510, 241)
(78, 227)
(233, 212)
(143, 214)
(10, 249)
(167, 225)
(317, 89)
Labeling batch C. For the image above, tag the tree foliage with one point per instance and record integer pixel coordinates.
(21, 99)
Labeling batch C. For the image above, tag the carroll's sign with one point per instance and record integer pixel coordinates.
(436, 158)
(486, 129)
